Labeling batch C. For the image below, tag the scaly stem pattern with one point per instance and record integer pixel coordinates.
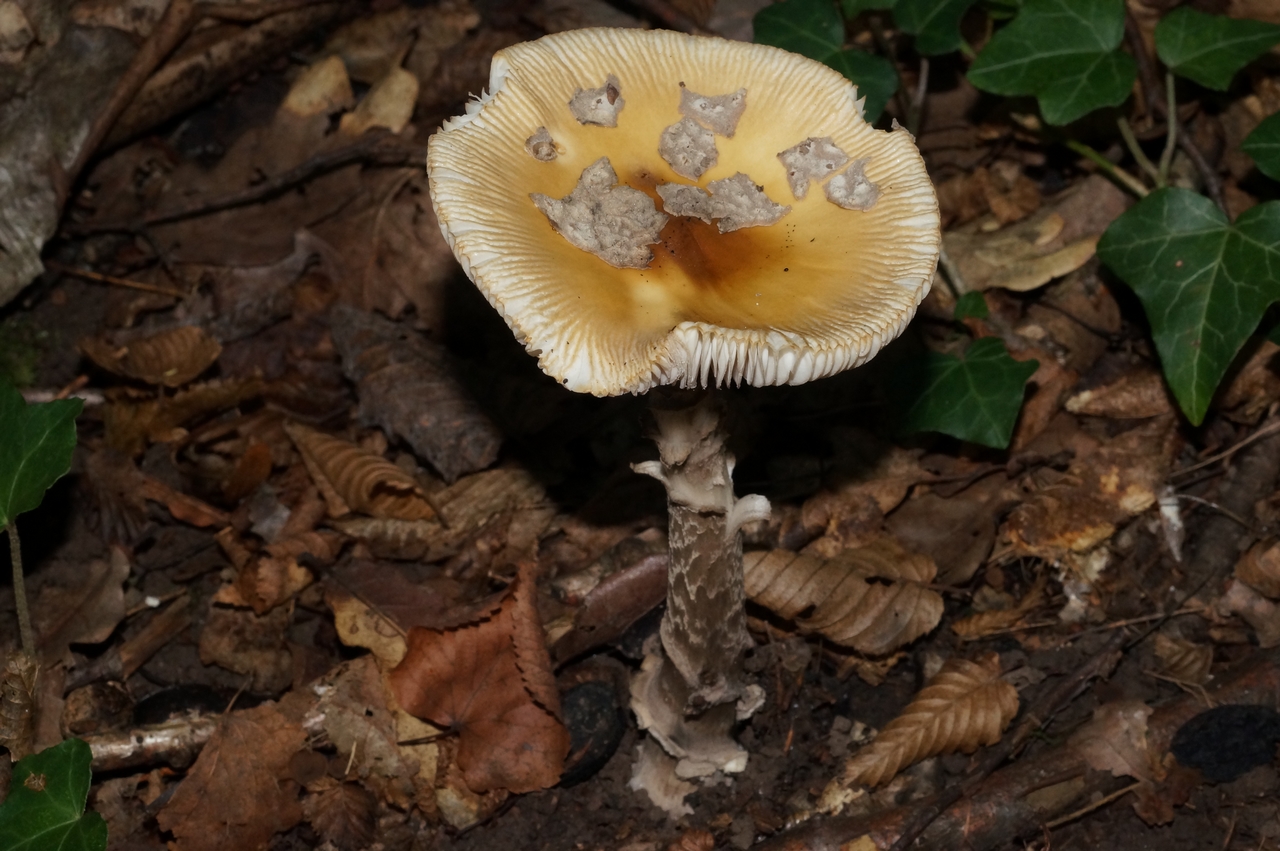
(694, 689)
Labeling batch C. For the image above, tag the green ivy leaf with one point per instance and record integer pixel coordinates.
(1063, 52)
(45, 807)
(852, 8)
(934, 23)
(971, 305)
(1210, 49)
(815, 29)
(35, 450)
(1263, 144)
(976, 398)
(1203, 282)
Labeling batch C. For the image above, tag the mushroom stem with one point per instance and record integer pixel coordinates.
(694, 688)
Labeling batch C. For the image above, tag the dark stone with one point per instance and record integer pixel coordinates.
(1226, 741)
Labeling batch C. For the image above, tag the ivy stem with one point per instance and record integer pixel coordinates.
(1118, 174)
(1171, 140)
(1131, 142)
(20, 591)
(915, 112)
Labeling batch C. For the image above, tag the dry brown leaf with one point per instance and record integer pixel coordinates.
(250, 644)
(170, 358)
(1136, 393)
(874, 599)
(1184, 661)
(1256, 610)
(366, 482)
(18, 704)
(1259, 568)
(252, 468)
(985, 623)
(131, 423)
(957, 531)
(1056, 240)
(237, 794)
(343, 814)
(407, 600)
(182, 506)
(495, 518)
(1115, 740)
(358, 625)
(964, 706)
(491, 682)
(79, 603)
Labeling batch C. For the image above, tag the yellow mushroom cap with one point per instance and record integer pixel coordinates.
(523, 199)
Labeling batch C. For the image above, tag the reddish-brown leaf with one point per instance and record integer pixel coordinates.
(236, 794)
(492, 682)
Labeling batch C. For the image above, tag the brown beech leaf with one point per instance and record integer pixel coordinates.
(995, 620)
(366, 482)
(1115, 740)
(507, 504)
(1184, 661)
(873, 599)
(1259, 568)
(131, 423)
(964, 706)
(236, 794)
(343, 814)
(492, 682)
(170, 358)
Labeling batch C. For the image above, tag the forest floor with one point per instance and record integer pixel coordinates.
(222, 557)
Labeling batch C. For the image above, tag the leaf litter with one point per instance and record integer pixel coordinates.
(312, 427)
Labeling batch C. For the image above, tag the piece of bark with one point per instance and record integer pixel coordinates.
(407, 387)
(189, 80)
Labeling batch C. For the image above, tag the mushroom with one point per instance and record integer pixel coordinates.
(637, 206)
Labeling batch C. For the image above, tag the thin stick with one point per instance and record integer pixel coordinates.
(1131, 142)
(174, 25)
(1118, 174)
(953, 278)
(1225, 512)
(111, 279)
(1231, 450)
(20, 591)
(380, 147)
(915, 112)
(1093, 805)
(1171, 141)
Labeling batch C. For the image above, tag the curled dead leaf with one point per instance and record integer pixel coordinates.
(964, 706)
(364, 481)
(1115, 740)
(873, 599)
(170, 358)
